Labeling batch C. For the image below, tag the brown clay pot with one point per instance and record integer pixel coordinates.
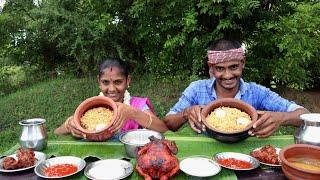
(299, 150)
(229, 137)
(93, 102)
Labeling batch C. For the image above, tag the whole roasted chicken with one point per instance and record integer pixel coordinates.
(156, 159)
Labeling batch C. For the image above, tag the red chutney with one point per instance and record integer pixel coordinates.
(235, 163)
(60, 170)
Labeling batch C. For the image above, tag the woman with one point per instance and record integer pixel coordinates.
(134, 112)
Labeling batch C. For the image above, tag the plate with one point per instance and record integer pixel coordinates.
(40, 157)
(239, 156)
(199, 166)
(273, 165)
(108, 169)
(39, 169)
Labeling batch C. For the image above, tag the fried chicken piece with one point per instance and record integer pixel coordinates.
(9, 163)
(26, 157)
(267, 154)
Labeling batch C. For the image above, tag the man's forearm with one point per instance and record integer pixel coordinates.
(292, 118)
(174, 121)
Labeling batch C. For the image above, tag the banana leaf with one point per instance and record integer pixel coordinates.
(188, 143)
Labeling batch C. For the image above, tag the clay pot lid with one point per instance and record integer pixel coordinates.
(94, 102)
(232, 103)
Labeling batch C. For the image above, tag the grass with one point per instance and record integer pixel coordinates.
(56, 99)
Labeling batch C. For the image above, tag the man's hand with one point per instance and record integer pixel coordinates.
(193, 115)
(267, 123)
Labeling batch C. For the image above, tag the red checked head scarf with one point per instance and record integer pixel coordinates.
(215, 57)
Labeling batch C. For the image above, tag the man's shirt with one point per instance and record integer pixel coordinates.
(202, 92)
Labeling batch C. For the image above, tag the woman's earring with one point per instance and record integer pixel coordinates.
(128, 86)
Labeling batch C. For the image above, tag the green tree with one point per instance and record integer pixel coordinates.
(165, 37)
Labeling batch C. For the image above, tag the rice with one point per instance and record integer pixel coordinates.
(96, 118)
(228, 119)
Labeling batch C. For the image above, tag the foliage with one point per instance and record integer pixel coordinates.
(298, 40)
(288, 48)
(164, 37)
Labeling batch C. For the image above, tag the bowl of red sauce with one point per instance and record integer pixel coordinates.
(59, 167)
(236, 161)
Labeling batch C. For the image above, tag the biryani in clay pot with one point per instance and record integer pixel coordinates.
(95, 116)
(228, 120)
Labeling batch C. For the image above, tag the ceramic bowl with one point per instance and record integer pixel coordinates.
(94, 102)
(294, 152)
(229, 137)
(137, 138)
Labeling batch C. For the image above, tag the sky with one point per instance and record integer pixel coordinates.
(2, 3)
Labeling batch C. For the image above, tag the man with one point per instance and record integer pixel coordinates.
(226, 62)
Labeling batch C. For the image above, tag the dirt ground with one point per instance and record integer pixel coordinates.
(310, 99)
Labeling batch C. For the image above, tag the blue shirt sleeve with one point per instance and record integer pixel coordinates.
(268, 100)
(186, 100)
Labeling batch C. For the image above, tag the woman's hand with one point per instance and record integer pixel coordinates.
(71, 127)
(267, 123)
(124, 113)
(193, 115)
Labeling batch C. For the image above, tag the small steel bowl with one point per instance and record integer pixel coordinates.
(40, 168)
(134, 139)
(239, 156)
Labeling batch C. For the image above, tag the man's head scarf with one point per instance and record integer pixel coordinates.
(215, 57)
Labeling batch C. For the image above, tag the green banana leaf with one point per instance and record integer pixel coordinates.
(188, 142)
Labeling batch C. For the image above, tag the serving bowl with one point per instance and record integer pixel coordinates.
(134, 139)
(300, 153)
(224, 136)
(94, 102)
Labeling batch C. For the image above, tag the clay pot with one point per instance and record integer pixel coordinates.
(299, 150)
(229, 137)
(94, 102)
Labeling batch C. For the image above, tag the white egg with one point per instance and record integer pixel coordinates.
(100, 126)
(243, 121)
(220, 113)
